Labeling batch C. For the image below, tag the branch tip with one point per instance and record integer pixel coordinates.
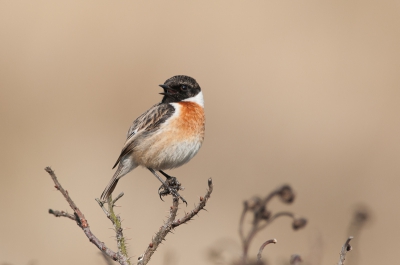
(263, 246)
(295, 259)
(345, 248)
(82, 222)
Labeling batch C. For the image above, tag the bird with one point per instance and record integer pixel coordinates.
(166, 136)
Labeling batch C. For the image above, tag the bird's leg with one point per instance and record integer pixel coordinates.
(170, 186)
(165, 174)
(172, 182)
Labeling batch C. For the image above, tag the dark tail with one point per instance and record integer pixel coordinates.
(111, 186)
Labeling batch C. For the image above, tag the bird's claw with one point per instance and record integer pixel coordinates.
(171, 186)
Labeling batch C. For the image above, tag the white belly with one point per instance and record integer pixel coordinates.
(164, 154)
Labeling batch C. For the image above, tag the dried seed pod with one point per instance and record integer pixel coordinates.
(286, 194)
(253, 203)
(299, 223)
(265, 214)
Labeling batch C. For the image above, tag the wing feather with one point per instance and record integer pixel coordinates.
(149, 122)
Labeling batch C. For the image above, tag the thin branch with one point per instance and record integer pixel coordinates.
(241, 222)
(171, 223)
(295, 259)
(63, 214)
(272, 218)
(297, 223)
(116, 220)
(119, 196)
(284, 192)
(197, 209)
(262, 217)
(107, 259)
(161, 234)
(346, 248)
(262, 248)
(121, 256)
(82, 222)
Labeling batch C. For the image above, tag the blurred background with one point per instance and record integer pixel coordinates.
(298, 92)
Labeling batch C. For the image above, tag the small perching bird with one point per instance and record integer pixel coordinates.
(166, 136)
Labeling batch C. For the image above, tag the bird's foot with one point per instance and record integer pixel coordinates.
(171, 186)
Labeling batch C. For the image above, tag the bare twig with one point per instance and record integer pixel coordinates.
(262, 248)
(119, 196)
(121, 256)
(171, 223)
(362, 216)
(346, 248)
(64, 214)
(295, 259)
(241, 222)
(116, 221)
(82, 222)
(197, 209)
(262, 217)
(107, 259)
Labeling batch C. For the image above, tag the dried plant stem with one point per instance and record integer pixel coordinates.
(171, 223)
(262, 217)
(246, 243)
(345, 248)
(118, 229)
(122, 256)
(82, 222)
(262, 248)
(62, 214)
(116, 221)
(295, 259)
(161, 234)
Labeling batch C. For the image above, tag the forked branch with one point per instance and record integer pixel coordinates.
(121, 256)
(82, 222)
(172, 223)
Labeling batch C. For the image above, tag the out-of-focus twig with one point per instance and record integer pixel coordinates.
(362, 215)
(345, 248)
(262, 248)
(262, 217)
(295, 259)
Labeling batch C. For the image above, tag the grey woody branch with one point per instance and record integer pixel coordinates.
(345, 248)
(121, 256)
(64, 214)
(83, 223)
(172, 223)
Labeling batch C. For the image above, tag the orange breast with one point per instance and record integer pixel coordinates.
(191, 122)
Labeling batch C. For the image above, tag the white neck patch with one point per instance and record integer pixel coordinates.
(197, 99)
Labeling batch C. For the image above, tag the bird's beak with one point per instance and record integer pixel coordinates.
(168, 91)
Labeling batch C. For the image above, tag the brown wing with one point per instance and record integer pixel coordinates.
(149, 121)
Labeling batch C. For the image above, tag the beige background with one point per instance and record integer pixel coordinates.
(299, 92)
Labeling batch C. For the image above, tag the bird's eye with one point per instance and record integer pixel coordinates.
(184, 88)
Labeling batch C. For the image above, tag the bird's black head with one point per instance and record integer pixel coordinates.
(178, 88)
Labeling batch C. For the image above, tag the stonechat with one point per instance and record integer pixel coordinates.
(166, 136)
